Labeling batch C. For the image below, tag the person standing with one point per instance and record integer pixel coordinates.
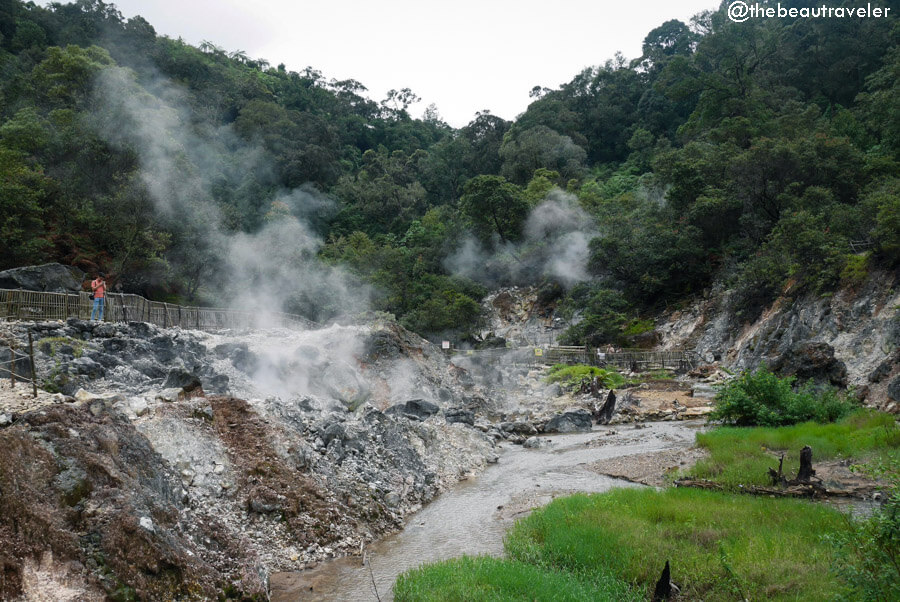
(98, 286)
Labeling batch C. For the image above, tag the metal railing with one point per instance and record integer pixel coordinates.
(16, 304)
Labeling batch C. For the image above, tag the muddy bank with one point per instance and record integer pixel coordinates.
(472, 517)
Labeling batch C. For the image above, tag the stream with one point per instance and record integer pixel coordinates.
(472, 517)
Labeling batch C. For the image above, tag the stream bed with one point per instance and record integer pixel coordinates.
(472, 517)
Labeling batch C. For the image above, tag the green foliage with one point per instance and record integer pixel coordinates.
(604, 316)
(856, 269)
(706, 157)
(761, 398)
(494, 206)
(571, 376)
(868, 553)
(638, 326)
(740, 456)
(22, 190)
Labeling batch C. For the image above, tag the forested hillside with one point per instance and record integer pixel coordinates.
(758, 155)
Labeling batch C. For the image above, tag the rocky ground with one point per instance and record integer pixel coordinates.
(171, 464)
(181, 464)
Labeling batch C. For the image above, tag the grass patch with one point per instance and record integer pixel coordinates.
(721, 546)
(50, 345)
(472, 579)
(741, 456)
(651, 376)
(570, 376)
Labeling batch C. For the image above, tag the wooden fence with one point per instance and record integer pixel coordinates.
(629, 359)
(39, 305)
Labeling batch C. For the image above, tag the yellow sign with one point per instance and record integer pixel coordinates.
(538, 352)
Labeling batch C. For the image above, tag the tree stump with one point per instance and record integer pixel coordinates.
(609, 407)
(806, 471)
(663, 589)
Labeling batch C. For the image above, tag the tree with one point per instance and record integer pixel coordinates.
(494, 206)
(22, 189)
(525, 151)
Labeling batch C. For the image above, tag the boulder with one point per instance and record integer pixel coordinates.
(704, 391)
(182, 379)
(572, 421)
(415, 409)
(170, 395)
(808, 360)
(53, 277)
(461, 415)
(519, 427)
(893, 389)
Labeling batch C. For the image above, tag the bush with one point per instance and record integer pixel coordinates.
(761, 398)
(868, 553)
(571, 376)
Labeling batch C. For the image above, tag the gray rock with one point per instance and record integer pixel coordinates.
(52, 277)
(138, 405)
(893, 389)
(812, 360)
(572, 421)
(182, 379)
(704, 391)
(87, 367)
(462, 415)
(415, 409)
(533, 443)
(169, 395)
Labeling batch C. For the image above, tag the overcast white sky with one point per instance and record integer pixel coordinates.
(464, 56)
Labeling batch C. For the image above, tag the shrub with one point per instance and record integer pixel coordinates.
(761, 398)
(868, 553)
(571, 376)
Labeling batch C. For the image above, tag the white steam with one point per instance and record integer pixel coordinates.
(555, 245)
(181, 164)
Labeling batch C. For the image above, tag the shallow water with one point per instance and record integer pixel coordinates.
(472, 517)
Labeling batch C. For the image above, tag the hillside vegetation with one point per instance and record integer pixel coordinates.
(758, 154)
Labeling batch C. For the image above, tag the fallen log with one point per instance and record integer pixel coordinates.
(803, 490)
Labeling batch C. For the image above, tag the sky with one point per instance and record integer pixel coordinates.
(463, 56)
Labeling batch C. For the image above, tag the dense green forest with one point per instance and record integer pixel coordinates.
(762, 156)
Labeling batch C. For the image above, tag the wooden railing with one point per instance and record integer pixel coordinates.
(39, 305)
(629, 359)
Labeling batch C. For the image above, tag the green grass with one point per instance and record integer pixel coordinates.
(472, 579)
(613, 546)
(742, 455)
(721, 546)
(571, 375)
(54, 343)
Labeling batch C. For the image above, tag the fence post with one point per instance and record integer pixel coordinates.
(12, 368)
(165, 315)
(31, 359)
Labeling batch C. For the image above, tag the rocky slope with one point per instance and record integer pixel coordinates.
(178, 464)
(851, 338)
